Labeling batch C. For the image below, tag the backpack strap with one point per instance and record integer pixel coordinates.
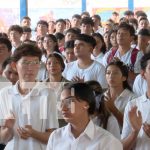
(134, 55)
(111, 55)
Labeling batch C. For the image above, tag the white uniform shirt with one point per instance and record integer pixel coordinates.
(42, 110)
(139, 86)
(126, 58)
(123, 99)
(93, 138)
(143, 104)
(95, 71)
(98, 58)
(112, 126)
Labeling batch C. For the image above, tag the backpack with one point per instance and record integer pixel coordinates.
(133, 56)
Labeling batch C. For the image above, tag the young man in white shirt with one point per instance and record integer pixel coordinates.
(136, 126)
(131, 57)
(31, 104)
(84, 68)
(77, 104)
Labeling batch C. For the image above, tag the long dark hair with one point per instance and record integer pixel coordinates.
(54, 39)
(102, 112)
(124, 70)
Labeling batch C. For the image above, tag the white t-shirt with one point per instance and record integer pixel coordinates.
(38, 109)
(126, 58)
(143, 105)
(112, 126)
(98, 58)
(95, 71)
(92, 138)
(139, 86)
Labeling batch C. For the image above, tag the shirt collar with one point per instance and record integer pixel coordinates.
(89, 130)
(34, 92)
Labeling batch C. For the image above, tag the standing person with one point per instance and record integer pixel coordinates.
(119, 91)
(15, 32)
(84, 68)
(30, 125)
(136, 125)
(60, 26)
(77, 104)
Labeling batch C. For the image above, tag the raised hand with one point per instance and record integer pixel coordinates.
(146, 128)
(135, 119)
(78, 79)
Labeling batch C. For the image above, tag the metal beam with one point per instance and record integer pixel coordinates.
(83, 5)
(23, 8)
(131, 5)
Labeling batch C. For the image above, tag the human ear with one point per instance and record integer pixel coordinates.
(13, 65)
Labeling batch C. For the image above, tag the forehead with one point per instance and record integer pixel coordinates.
(65, 94)
(28, 58)
(80, 42)
(124, 30)
(113, 68)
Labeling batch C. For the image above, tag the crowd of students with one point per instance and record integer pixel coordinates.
(73, 80)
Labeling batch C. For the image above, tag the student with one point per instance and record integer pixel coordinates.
(84, 68)
(5, 51)
(77, 104)
(60, 26)
(100, 48)
(119, 91)
(69, 52)
(71, 34)
(102, 116)
(26, 34)
(41, 29)
(26, 22)
(9, 72)
(25, 124)
(60, 40)
(136, 126)
(15, 33)
(87, 25)
(75, 21)
(143, 39)
(55, 66)
(97, 28)
(130, 56)
(50, 45)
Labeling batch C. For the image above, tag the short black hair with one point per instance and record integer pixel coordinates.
(97, 17)
(15, 28)
(61, 20)
(84, 92)
(26, 17)
(73, 30)
(87, 20)
(87, 38)
(144, 32)
(26, 50)
(128, 13)
(76, 16)
(143, 18)
(7, 42)
(43, 22)
(144, 60)
(69, 44)
(59, 36)
(127, 27)
(26, 29)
